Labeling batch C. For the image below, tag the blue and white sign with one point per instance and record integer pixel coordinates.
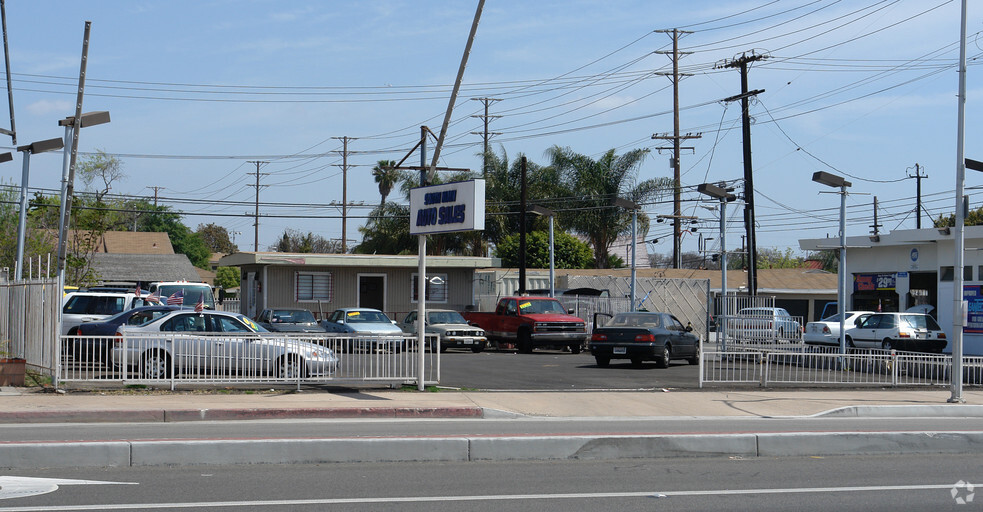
(448, 208)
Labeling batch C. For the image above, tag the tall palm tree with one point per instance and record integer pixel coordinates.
(598, 183)
(386, 175)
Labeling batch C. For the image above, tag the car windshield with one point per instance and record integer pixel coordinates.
(635, 320)
(920, 322)
(249, 323)
(364, 317)
(540, 306)
(293, 316)
(445, 317)
(192, 293)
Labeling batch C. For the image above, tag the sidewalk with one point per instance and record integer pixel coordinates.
(23, 405)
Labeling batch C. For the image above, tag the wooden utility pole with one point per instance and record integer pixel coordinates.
(752, 245)
(156, 189)
(918, 195)
(344, 192)
(675, 137)
(258, 187)
(485, 134)
(875, 225)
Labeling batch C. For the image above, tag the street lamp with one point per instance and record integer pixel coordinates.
(64, 209)
(724, 196)
(35, 147)
(832, 180)
(634, 207)
(546, 212)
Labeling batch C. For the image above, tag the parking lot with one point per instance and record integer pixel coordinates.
(556, 370)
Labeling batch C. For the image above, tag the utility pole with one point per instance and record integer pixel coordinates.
(258, 187)
(875, 225)
(344, 192)
(156, 189)
(676, 137)
(918, 195)
(752, 244)
(486, 134)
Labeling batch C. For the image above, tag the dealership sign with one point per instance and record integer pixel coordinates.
(448, 208)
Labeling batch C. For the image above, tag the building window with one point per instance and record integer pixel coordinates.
(436, 288)
(312, 286)
(946, 274)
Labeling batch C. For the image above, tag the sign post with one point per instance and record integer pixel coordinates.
(445, 208)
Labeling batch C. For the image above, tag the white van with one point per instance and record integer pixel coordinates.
(192, 292)
(78, 307)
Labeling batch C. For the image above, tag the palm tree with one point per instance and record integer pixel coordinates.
(386, 175)
(598, 183)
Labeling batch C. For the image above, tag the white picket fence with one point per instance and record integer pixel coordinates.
(173, 359)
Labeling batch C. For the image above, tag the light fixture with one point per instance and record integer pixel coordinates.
(944, 231)
(831, 180)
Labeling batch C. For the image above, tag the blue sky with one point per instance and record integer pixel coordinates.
(863, 89)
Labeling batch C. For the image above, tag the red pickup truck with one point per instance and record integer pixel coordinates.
(531, 322)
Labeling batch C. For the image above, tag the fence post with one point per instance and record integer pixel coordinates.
(894, 368)
(702, 357)
(764, 369)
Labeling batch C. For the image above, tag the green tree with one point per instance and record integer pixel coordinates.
(387, 231)
(227, 277)
(102, 169)
(216, 238)
(599, 182)
(386, 175)
(568, 251)
(776, 258)
(294, 241)
(503, 187)
(184, 241)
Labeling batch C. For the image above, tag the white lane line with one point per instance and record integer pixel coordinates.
(494, 497)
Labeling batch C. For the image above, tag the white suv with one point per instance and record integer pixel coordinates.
(79, 307)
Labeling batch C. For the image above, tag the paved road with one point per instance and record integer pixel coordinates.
(922, 482)
(556, 370)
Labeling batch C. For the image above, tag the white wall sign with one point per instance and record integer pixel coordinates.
(448, 208)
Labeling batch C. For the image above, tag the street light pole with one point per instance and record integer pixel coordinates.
(724, 196)
(36, 147)
(835, 181)
(959, 301)
(545, 212)
(630, 205)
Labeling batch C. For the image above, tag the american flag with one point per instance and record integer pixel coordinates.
(138, 290)
(200, 306)
(154, 297)
(176, 298)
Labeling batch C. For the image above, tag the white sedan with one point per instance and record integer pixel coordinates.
(827, 330)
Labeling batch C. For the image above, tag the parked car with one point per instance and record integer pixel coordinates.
(288, 320)
(216, 342)
(644, 336)
(764, 324)
(914, 332)
(827, 330)
(451, 328)
(78, 307)
(371, 327)
(94, 341)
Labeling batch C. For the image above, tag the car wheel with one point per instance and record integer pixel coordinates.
(478, 348)
(289, 366)
(663, 361)
(849, 342)
(602, 361)
(524, 343)
(575, 349)
(886, 345)
(696, 356)
(155, 364)
(781, 336)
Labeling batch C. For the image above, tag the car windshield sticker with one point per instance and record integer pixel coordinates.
(525, 305)
(353, 313)
(249, 323)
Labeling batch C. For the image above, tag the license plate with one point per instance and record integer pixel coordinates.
(620, 350)
(467, 341)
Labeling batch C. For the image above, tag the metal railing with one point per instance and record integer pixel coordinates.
(173, 359)
(808, 365)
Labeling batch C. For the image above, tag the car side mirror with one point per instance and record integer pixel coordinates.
(689, 328)
(570, 311)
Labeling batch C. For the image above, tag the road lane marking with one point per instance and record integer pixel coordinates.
(474, 498)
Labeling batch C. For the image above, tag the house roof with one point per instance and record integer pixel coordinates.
(770, 280)
(124, 242)
(144, 267)
(351, 260)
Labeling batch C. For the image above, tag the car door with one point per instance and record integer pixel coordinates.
(234, 348)
(684, 343)
(866, 334)
(191, 348)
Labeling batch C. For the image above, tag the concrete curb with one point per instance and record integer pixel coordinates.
(169, 415)
(479, 448)
(905, 411)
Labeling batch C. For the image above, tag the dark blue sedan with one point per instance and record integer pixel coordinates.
(92, 341)
(644, 336)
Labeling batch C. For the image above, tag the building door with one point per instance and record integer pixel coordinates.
(372, 291)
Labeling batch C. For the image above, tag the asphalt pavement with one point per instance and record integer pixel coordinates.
(20, 406)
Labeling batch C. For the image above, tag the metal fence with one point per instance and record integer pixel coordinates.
(808, 365)
(174, 359)
(29, 319)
